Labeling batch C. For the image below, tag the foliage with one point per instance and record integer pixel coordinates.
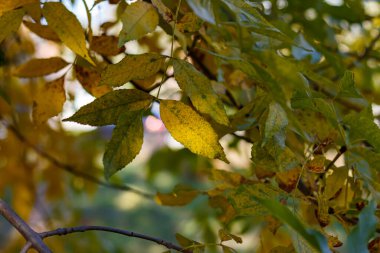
(294, 84)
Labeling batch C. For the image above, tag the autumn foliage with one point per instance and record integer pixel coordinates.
(271, 106)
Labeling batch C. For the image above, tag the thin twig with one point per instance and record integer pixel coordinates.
(342, 150)
(25, 230)
(71, 169)
(65, 231)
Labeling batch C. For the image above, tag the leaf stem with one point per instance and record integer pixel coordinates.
(164, 77)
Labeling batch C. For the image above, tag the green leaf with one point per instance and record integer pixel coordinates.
(198, 88)
(138, 19)
(313, 101)
(181, 195)
(107, 109)
(67, 27)
(126, 142)
(10, 22)
(312, 237)
(40, 67)
(347, 86)
(357, 240)
(189, 128)
(275, 125)
(361, 126)
(132, 67)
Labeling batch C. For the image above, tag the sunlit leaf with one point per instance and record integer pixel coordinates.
(200, 138)
(180, 196)
(67, 27)
(132, 67)
(275, 125)
(10, 22)
(198, 88)
(49, 100)
(359, 237)
(126, 142)
(40, 67)
(107, 109)
(43, 31)
(138, 19)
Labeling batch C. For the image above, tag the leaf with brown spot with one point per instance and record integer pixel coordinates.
(287, 180)
(317, 164)
(90, 78)
(49, 100)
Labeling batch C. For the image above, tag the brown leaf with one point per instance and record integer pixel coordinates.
(106, 45)
(317, 164)
(40, 67)
(287, 180)
(90, 78)
(43, 31)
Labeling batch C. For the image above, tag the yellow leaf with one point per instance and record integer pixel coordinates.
(198, 87)
(190, 129)
(34, 10)
(180, 196)
(138, 19)
(106, 45)
(40, 67)
(49, 100)
(287, 180)
(132, 67)
(67, 27)
(43, 31)
(90, 78)
(7, 5)
(10, 22)
(317, 165)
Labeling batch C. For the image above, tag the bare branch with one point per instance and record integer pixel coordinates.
(32, 237)
(65, 231)
(71, 169)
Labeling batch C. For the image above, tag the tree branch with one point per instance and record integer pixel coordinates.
(70, 230)
(33, 238)
(71, 169)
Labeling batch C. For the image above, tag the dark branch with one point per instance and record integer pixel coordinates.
(32, 237)
(65, 231)
(71, 169)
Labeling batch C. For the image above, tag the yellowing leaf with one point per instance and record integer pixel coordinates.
(180, 196)
(126, 142)
(90, 78)
(106, 45)
(287, 180)
(7, 5)
(275, 125)
(10, 22)
(190, 129)
(132, 67)
(43, 31)
(40, 67)
(224, 235)
(67, 27)
(49, 100)
(198, 88)
(107, 109)
(189, 23)
(138, 19)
